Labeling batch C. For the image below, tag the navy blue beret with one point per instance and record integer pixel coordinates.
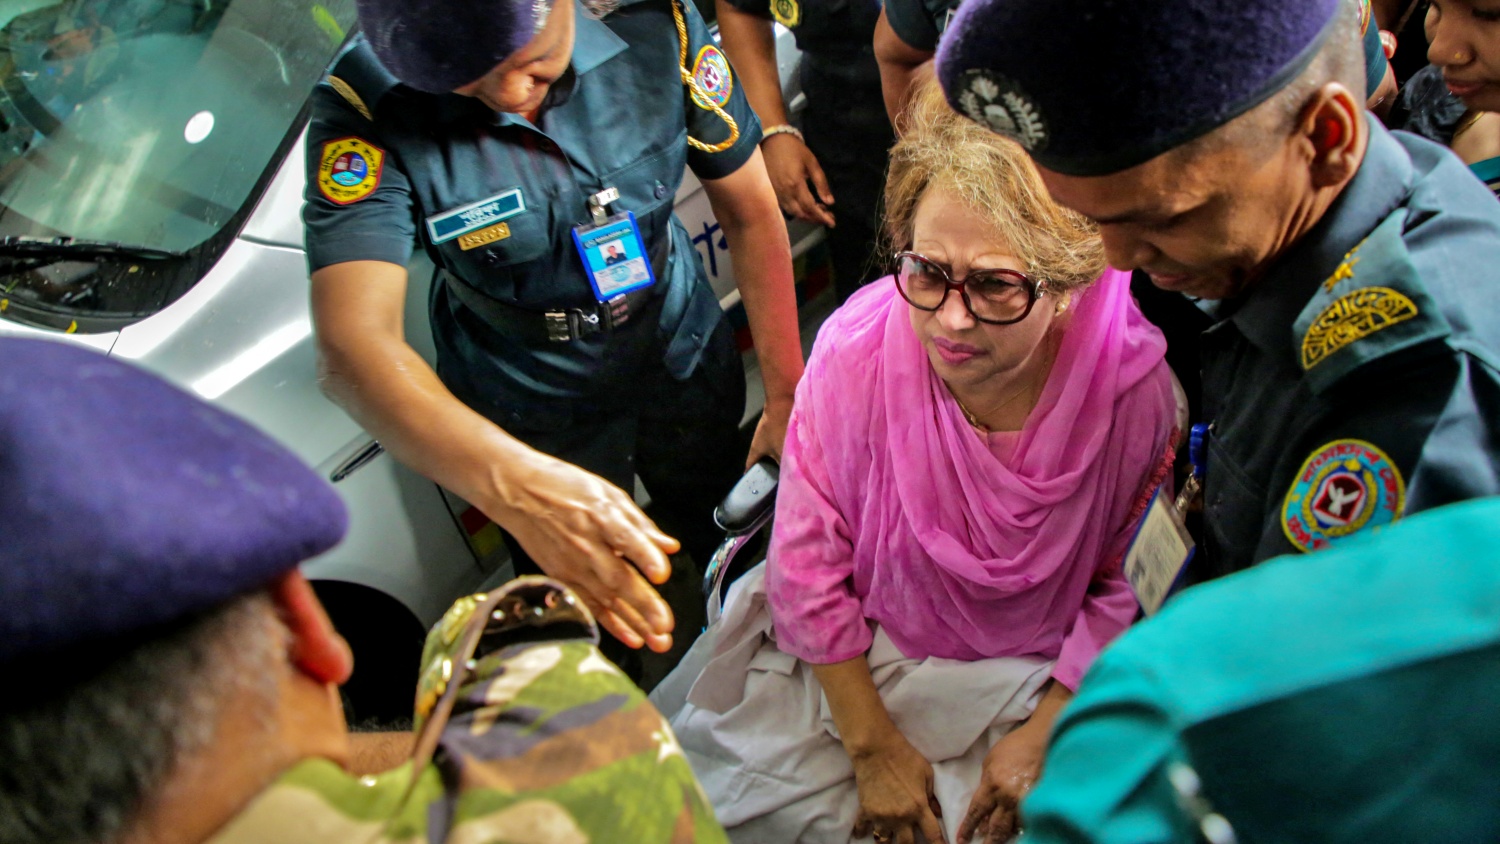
(439, 45)
(126, 503)
(1091, 87)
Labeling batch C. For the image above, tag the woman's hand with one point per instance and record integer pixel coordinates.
(1010, 769)
(896, 800)
(791, 165)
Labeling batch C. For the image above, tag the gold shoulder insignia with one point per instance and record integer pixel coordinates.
(1352, 317)
(349, 94)
(1345, 269)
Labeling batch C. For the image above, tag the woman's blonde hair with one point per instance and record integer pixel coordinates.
(996, 180)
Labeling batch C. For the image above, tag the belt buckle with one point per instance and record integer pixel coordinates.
(559, 326)
(584, 323)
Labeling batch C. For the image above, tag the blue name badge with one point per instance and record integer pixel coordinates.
(474, 216)
(614, 256)
(1161, 549)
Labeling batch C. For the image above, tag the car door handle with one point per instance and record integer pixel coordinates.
(357, 461)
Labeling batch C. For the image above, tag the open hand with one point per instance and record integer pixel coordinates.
(589, 534)
(1010, 769)
(791, 165)
(896, 800)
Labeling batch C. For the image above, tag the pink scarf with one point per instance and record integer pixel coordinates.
(891, 500)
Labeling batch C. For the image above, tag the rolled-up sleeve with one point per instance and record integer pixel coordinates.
(810, 567)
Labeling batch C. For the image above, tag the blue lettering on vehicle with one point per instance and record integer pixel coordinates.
(711, 253)
(486, 212)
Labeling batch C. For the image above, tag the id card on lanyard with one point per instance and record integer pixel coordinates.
(1162, 547)
(612, 251)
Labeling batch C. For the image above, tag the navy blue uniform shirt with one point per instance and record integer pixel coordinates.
(920, 22)
(1359, 380)
(389, 166)
(823, 28)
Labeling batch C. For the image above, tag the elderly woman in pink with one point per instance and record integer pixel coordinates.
(970, 452)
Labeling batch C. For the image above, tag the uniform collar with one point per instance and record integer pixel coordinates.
(593, 42)
(1266, 315)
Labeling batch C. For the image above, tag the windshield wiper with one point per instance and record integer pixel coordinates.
(68, 247)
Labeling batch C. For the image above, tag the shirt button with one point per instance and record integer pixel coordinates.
(491, 258)
(661, 190)
(697, 335)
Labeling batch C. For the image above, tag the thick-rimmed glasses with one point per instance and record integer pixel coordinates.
(996, 297)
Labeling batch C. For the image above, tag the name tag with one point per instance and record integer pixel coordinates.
(1161, 549)
(475, 216)
(614, 256)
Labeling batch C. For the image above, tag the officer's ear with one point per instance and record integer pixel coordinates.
(1333, 129)
(316, 648)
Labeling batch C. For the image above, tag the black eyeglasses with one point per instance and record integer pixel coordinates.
(996, 297)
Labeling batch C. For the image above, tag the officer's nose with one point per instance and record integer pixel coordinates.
(1123, 249)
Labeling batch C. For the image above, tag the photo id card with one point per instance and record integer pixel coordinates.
(614, 256)
(1161, 549)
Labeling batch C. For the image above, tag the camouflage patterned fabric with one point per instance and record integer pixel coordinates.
(546, 743)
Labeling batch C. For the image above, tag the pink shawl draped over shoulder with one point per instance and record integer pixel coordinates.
(892, 510)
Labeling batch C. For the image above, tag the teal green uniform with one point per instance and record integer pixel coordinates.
(1346, 696)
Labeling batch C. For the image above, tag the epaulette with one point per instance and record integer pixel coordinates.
(360, 78)
(1372, 306)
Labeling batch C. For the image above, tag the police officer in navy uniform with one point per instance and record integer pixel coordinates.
(514, 139)
(1352, 375)
(831, 171)
(906, 39)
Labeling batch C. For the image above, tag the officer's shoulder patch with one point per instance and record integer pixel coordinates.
(352, 97)
(1371, 305)
(349, 170)
(1345, 486)
(788, 13)
(713, 78)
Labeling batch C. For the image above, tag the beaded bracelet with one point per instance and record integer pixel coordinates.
(781, 129)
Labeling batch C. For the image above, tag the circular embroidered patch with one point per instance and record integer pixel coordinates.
(713, 77)
(1344, 487)
(349, 170)
(788, 13)
(999, 103)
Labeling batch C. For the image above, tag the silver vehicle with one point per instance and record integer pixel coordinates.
(151, 178)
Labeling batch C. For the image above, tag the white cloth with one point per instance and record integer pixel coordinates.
(756, 728)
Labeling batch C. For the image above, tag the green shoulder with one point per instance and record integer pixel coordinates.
(1373, 305)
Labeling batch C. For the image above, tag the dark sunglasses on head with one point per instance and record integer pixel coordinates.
(996, 297)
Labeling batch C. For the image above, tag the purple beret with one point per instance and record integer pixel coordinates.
(1091, 87)
(439, 46)
(126, 503)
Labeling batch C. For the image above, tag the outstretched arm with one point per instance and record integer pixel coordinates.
(578, 527)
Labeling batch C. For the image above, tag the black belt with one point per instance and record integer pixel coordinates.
(555, 326)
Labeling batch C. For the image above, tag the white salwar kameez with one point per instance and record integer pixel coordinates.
(755, 725)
